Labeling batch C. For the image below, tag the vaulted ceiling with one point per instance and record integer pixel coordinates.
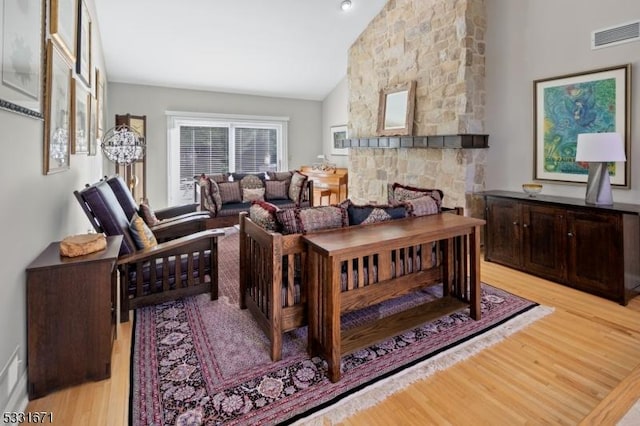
(282, 48)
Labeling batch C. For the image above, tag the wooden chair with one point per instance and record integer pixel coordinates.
(183, 266)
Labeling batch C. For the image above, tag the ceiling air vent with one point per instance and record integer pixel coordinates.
(615, 35)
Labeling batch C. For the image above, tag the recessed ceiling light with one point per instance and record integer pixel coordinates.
(345, 5)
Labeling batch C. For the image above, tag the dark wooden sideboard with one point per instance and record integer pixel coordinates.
(595, 249)
(71, 317)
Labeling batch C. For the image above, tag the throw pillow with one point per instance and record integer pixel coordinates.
(215, 194)
(141, 233)
(230, 192)
(422, 206)
(211, 200)
(264, 214)
(249, 195)
(399, 193)
(302, 220)
(251, 182)
(360, 215)
(298, 181)
(276, 190)
(321, 217)
(148, 215)
(279, 175)
(287, 222)
(238, 176)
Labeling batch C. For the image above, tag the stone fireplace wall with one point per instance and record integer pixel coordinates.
(440, 45)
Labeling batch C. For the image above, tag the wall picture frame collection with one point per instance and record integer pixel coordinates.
(70, 30)
(47, 74)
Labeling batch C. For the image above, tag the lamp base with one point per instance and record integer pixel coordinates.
(599, 185)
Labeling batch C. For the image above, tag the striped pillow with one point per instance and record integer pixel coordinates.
(276, 190)
(230, 192)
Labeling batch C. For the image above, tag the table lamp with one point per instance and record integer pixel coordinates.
(598, 149)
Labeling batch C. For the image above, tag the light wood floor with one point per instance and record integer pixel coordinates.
(580, 364)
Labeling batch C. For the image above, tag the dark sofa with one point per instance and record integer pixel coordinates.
(224, 196)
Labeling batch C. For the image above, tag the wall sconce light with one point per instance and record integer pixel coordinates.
(345, 5)
(599, 149)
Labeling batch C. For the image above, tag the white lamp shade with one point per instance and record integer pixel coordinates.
(600, 147)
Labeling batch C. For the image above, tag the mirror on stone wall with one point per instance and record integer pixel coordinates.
(395, 111)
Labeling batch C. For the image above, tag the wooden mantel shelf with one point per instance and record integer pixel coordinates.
(440, 141)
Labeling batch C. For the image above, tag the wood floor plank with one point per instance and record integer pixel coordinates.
(578, 364)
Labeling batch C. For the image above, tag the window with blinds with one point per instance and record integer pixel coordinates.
(208, 145)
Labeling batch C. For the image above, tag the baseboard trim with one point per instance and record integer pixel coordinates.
(19, 399)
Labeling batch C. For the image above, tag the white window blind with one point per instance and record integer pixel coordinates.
(203, 150)
(256, 149)
(217, 143)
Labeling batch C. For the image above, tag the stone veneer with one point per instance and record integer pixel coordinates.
(440, 45)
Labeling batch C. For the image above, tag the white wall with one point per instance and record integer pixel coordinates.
(335, 113)
(305, 125)
(529, 40)
(36, 210)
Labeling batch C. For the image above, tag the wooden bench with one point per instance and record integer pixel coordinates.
(274, 279)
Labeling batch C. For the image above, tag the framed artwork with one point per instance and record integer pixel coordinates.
(62, 25)
(81, 117)
(57, 111)
(338, 133)
(21, 57)
(588, 102)
(83, 44)
(395, 110)
(93, 125)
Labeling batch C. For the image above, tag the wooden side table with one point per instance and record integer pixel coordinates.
(71, 317)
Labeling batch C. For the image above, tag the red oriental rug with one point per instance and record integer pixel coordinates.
(196, 361)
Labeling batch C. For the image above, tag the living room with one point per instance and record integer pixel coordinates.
(525, 41)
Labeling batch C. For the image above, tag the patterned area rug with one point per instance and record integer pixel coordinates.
(195, 361)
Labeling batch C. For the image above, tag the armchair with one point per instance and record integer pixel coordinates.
(181, 267)
(170, 223)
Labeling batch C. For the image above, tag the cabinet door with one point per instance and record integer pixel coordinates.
(543, 237)
(595, 252)
(502, 239)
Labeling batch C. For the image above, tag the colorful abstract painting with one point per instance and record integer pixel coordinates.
(580, 103)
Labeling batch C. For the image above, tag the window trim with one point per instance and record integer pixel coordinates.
(175, 119)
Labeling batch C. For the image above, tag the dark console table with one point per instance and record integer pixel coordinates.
(71, 317)
(595, 249)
